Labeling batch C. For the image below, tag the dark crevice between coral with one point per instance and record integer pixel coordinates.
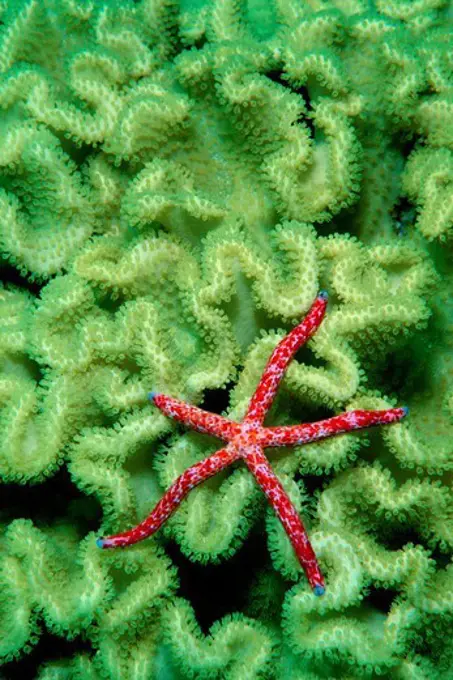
(404, 372)
(304, 93)
(407, 141)
(50, 648)
(28, 366)
(306, 356)
(396, 535)
(314, 483)
(281, 78)
(442, 559)
(10, 275)
(199, 43)
(131, 367)
(266, 596)
(381, 599)
(339, 223)
(441, 256)
(298, 410)
(108, 302)
(278, 77)
(62, 501)
(78, 152)
(309, 123)
(215, 590)
(404, 215)
(218, 400)
(308, 120)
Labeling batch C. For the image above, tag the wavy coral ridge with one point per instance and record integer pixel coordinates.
(177, 180)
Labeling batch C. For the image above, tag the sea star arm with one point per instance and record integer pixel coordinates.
(172, 498)
(258, 464)
(195, 417)
(353, 420)
(281, 357)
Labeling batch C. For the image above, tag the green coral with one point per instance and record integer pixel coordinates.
(177, 181)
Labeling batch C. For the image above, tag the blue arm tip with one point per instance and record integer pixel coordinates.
(406, 410)
(151, 395)
(323, 294)
(319, 590)
(99, 543)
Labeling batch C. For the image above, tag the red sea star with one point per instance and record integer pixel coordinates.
(247, 440)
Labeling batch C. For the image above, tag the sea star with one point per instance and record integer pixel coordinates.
(247, 440)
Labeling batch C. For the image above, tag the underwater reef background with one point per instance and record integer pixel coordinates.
(178, 179)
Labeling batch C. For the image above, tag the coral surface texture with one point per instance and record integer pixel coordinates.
(178, 181)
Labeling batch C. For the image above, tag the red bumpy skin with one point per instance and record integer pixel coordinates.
(247, 440)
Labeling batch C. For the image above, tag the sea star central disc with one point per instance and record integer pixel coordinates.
(247, 440)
